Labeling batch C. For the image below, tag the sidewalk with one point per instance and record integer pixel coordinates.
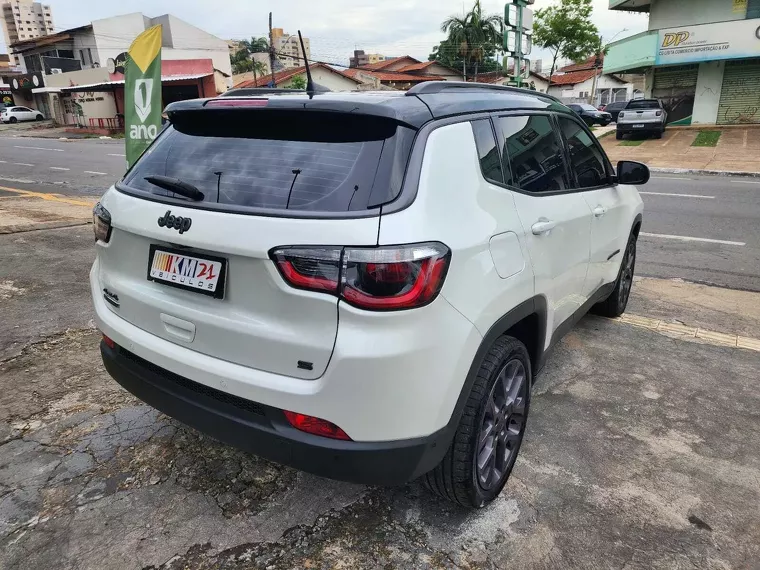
(738, 150)
(22, 210)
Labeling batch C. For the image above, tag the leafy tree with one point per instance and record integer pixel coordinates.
(566, 30)
(242, 61)
(473, 40)
(298, 82)
(256, 45)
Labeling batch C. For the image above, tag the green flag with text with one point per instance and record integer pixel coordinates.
(142, 92)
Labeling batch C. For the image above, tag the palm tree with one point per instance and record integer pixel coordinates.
(256, 45)
(457, 29)
(258, 67)
(473, 34)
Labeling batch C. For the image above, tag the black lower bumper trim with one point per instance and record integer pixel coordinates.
(263, 430)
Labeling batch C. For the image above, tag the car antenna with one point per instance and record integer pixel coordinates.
(311, 87)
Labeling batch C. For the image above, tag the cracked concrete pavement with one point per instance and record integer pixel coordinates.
(642, 451)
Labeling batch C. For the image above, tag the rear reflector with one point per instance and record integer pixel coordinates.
(109, 342)
(378, 279)
(237, 103)
(315, 426)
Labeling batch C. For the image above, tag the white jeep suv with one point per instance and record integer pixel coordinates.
(362, 285)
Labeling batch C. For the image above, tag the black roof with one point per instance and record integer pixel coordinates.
(419, 105)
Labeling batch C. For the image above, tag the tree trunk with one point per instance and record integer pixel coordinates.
(464, 69)
(551, 73)
(255, 81)
(476, 70)
(593, 87)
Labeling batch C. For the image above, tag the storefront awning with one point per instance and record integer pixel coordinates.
(46, 90)
(108, 85)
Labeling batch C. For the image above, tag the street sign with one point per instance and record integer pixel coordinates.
(518, 40)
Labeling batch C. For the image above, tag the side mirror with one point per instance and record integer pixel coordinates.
(630, 172)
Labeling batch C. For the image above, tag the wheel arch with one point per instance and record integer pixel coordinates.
(526, 322)
(637, 225)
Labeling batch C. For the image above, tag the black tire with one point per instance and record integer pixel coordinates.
(458, 477)
(12, 120)
(658, 135)
(614, 305)
(39, 118)
(619, 136)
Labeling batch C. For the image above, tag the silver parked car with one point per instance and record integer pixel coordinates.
(646, 116)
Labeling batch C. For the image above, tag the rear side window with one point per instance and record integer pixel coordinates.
(586, 159)
(279, 161)
(643, 104)
(488, 151)
(534, 152)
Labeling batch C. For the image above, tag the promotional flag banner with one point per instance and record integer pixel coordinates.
(142, 92)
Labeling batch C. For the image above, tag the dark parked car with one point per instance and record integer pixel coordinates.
(591, 115)
(614, 108)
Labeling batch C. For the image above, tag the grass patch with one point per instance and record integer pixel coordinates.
(707, 138)
(632, 142)
(608, 133)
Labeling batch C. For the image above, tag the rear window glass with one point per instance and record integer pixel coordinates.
(645, 104)
(279, 161)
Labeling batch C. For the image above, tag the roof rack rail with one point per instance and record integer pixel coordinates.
(250, 91)
(433, 87)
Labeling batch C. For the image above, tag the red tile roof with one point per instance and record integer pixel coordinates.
(574, 77)
(289, 73)
(404, 77)
(388, 63)
(583, 65)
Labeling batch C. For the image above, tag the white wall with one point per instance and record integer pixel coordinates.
(674, 13)
(707, 97)
(603, 82)
(180, 39)
(333, 81)
(114, 35)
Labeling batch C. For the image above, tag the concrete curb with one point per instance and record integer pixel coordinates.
(705, 172)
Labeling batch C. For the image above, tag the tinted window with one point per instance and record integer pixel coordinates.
(588, 107)
(586, 160)
(644, 104)
(310, 161)
(488, 151)
(534, 153)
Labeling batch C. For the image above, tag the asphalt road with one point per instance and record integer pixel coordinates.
(698, 228)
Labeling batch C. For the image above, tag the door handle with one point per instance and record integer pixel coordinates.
(599, 211)
(542, 226)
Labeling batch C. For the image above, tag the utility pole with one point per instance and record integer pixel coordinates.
(271, 51)
(518, 19)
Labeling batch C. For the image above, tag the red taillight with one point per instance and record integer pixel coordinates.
(315, 426)
(109, 342)
(315, 269)
(101, 223)
(380, 279)
(237, 103)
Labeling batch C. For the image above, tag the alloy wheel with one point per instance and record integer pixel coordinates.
(626, 275)
(503, 425)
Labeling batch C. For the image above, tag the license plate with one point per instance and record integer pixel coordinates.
(202, 274)
(638, 126)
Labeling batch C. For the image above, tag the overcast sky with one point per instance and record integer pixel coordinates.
(335, 27)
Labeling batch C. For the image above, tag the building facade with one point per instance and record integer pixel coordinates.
(360, 58)
(24, 20)
(585, 82)
(288, 48)
(77, 76)
(700, 57)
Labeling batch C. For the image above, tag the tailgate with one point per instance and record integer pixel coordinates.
(261, 322)
(219, 190)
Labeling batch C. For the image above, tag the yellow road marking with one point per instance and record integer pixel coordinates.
(50, 197)
(686, 332)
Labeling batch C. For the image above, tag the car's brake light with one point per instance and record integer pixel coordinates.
(379, 279)
(237, 103)
(109, 342)
(101, 223)
(315, 426)
(312, 268)
(621, 115)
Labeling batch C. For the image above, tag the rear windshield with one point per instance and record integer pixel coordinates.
(643, 104)
(305, 161)
(587, 107)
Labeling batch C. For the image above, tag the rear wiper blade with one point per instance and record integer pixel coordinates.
(177, 186)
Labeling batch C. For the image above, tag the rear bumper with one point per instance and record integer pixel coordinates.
(646, 128)
(263, 430)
